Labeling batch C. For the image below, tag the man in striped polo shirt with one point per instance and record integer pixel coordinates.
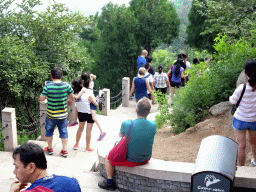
(57, 93)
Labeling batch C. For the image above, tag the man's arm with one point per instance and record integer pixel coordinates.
(42, 98)
(70, 100)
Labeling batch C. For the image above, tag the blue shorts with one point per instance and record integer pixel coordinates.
(62, 125)
(93, 107)
(242, 125)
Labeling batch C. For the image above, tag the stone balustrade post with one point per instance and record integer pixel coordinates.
(10, 129)
(126, 91)
(72, 116)
(106, 102)
(43, 110)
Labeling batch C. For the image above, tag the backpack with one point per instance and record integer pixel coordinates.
(170, 75)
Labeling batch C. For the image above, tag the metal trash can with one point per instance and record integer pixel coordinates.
(215, 165)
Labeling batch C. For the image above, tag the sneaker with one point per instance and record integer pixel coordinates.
(101, 136)
(75, 147)
(72, 124)
(104, 185)
(253, 163)
(88, 149)
(64, 153)
(48, 151)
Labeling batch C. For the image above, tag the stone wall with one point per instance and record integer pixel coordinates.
(131, 182)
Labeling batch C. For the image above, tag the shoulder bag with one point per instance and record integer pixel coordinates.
(234, 108)
(118, 152)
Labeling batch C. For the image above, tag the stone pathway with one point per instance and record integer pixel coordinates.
(79, 163)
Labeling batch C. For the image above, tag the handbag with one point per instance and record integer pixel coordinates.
(234, 108)
(118, 152)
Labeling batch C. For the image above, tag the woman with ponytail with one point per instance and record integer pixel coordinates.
(244, 119)
(161, 80)
(175, 73)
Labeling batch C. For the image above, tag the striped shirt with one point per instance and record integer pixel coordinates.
(57, 94)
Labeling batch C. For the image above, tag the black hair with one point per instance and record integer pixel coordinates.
(147, 66)
(149, 59)
(195, 61)
(177, 64)
(250, 70)
(76, 85)
(201, 60)
(87, 83)
(179, 57)
(56, 73)
(30, 152)
(160, 68)
(184, 55)
(85, 76)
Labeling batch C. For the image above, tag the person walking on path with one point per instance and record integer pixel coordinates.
(57, 93)
(141, 59)
(140, 85)
(79, 91)
(83, 104)
(175, 73)
(244, 119)
(139, 148)
(150, 78)
(30, 167)
(151, 70)
(161, 80)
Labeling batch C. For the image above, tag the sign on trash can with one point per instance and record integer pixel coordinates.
(215, 165)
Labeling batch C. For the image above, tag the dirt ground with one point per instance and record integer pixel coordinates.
(184, 147)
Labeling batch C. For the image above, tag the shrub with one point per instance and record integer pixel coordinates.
(216, 83)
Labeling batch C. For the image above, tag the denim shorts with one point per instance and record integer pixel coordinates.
(242, 125)
(92, 106)
(62, 125)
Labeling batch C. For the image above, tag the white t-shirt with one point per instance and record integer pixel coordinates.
(188, 64)
(150, 78)
(246, 110)
(83, 103)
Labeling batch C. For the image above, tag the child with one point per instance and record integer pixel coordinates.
(92, 106)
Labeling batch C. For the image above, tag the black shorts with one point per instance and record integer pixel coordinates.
(175, 84)
(163, 90)
(82, 117)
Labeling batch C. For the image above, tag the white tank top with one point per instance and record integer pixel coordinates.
(83, 103)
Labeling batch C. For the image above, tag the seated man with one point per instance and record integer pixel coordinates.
(30, 167)
(139, 149)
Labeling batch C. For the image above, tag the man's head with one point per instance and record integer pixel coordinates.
(56, 73)
(27, 159)
(143, 107)
(147, 66)
(142, 71)
(144, 53)
(149, 59)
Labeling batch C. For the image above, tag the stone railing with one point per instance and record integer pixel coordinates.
(9, 125)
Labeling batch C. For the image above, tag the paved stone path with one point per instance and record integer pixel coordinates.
(79, 163)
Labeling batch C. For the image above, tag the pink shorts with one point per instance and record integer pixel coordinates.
(127, 163)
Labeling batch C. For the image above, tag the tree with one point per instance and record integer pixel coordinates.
(158, 22)
(31, 44)
(235, 19)
(115, 52)
(197, 26)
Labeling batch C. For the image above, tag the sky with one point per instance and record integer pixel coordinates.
(88, 7)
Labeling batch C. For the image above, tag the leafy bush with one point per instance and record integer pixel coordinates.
(216, 83)
(162, 100)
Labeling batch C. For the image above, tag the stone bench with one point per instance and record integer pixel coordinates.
(160, 175)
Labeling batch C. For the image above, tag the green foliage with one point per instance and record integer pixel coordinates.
(197, 26)
(162, 100)
(163, 57)
(158, 22)
(216, 83)
(31, 44)
(233, 18)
